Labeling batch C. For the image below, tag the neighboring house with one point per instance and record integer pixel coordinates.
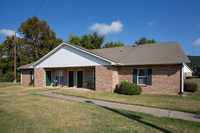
(157, 68)
(187, 71)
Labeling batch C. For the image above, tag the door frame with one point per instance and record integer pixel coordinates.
(68, 77)
(77, 78)
(46, 76)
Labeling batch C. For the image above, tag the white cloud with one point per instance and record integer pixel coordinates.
(151, 23)
(6, 32)
(104, 29)
(197, 42)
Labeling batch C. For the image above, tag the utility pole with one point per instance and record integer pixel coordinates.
(15, 79)
(193, 51)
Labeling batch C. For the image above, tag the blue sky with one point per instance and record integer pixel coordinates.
(124, 20)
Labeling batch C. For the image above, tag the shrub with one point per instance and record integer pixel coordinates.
(127, 88)
(9, 77)
(190, 86)
(189, 77)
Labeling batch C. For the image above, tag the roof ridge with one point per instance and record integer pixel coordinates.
(157, 43)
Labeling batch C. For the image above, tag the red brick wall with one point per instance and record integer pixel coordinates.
(115, 77)
(26, 77)
(106, 78)
(166, 79)
(39, 77)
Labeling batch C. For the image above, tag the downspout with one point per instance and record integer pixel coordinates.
(21, 77)
(182, 80)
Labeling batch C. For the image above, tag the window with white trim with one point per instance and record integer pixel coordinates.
(90, 76)
(142, 76)
(60, 75)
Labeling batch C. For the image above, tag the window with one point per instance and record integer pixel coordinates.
(142, 76)
(60, 75)
(90, 76)
(31, 75)
(184, 75)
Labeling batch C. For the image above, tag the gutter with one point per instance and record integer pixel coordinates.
(182, 79)
(154, 63)
(24, 68)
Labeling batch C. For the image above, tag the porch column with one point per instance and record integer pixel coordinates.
(103, 78)
(39, 77)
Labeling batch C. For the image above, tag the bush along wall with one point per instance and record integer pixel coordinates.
(190, 87)
(127, 88)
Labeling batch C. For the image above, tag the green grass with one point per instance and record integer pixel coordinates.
(23, 111)
(6, 84)
(189, 103)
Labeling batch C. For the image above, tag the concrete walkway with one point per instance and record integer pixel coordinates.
(143, 109)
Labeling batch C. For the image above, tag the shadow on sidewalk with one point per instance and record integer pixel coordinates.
(133, 117)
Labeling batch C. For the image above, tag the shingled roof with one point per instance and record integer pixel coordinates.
(146, 54)
(28, 66)
(155, 53)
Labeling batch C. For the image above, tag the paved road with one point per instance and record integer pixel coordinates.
(136, 108)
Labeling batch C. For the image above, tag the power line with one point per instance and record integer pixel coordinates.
(39, 7)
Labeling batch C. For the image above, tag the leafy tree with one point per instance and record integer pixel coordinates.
(7, 54)
(143, 40)
(73, 39)
(113, 44)
(97, 40)
(38, 35)
(93, 41)
(38, 40)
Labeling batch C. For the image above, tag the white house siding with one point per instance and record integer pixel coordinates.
(69, 57)
(186, 69)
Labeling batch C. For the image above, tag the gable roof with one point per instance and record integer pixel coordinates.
(155, 53)
(28, 66)
(75, 47)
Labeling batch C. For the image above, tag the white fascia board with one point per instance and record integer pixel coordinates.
(162, 63)
(59, 46)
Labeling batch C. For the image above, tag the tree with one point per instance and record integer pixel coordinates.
(38, 40)
(93, 41)
(97, 40)
(7, 54)
(73, 39)
(143, 40)
(113, 44)
(38, 35)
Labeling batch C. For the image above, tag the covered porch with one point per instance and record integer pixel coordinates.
(76, 77)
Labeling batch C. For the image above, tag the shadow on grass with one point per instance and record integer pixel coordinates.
(133, 117)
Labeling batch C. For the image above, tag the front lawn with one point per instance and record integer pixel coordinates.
(189, 103)
(6, 84)
(21, 110)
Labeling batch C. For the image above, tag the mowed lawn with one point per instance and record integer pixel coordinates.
(21, 110)
(6, 84)
(189, 103)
